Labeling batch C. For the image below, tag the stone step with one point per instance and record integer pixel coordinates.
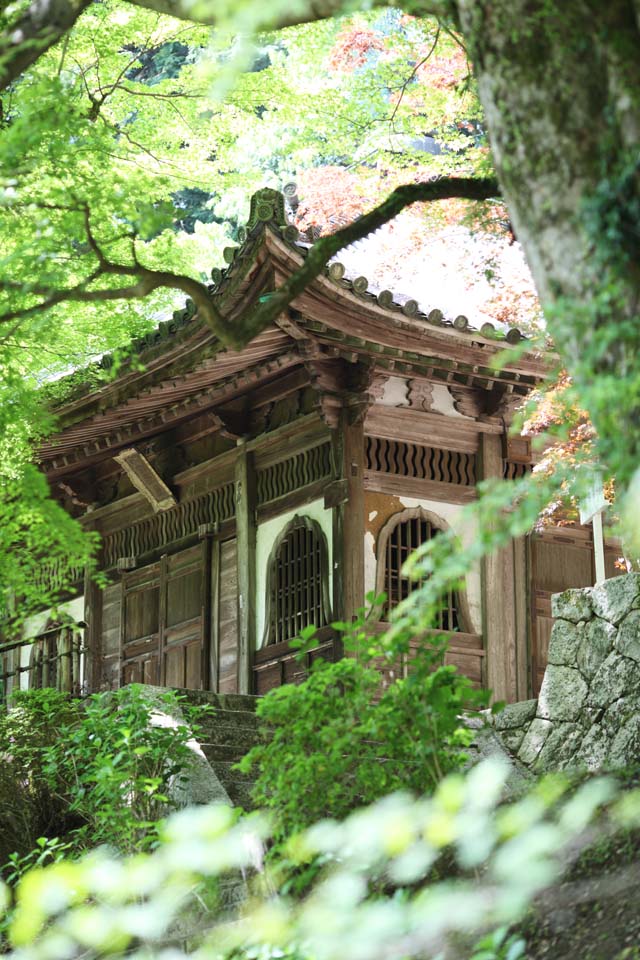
(215, 752)
(229, 718)
(240, 794)
(242, 738)
(227, 774)
(222, 701)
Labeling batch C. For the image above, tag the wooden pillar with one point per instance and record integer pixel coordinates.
(92, 617)
(521, 594)
(245, 503)
(213, 644)
(498, 595)
(348, 522)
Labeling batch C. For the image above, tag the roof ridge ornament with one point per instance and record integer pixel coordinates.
(267, 205)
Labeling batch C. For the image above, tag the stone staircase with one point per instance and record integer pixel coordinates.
(227, 733)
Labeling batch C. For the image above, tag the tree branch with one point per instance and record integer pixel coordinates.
(45, 22)
(469, 188)
(36, 31)
(269, 308)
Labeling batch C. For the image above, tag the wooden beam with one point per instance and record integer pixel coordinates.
(498, 595)
(245, 502)
(399, 486)
(348, 522)
(433, 429)
(145, 479)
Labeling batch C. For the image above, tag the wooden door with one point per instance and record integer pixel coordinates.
(182, 618)
(560, 558)
(140, 626)
(161, 622)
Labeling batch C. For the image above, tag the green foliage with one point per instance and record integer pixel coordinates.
(103, 143)
(82, 773)
(375, 896)
(499, 945)
(28, 810)
(342, 739)
(118, 767)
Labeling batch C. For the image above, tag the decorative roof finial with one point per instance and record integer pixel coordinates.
(267, 205)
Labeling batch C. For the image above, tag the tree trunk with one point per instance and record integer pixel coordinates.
(559, 81)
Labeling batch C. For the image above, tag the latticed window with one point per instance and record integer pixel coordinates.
(298, 589)
(401, 538)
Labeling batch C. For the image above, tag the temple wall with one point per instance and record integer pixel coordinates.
(379, 507)
(266, 535)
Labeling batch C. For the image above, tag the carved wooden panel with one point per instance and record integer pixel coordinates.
(279, 479)
(182, 615)
(414, 460)
(165, 528)
(277, 663)
(140, 626)
(513, 470)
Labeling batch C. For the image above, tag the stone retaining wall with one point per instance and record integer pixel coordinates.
(588, 710)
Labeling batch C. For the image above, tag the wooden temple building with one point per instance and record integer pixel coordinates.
(241, 495)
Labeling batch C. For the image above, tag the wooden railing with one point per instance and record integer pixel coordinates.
(464, 651)
(55, 659)
(278, 663)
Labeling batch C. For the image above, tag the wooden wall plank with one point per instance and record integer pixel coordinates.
(227, 615)
(498, 595)
(245, 501)
(399, 486)
(93, 631)
(420, 426)
(522, 637)
(348, 526)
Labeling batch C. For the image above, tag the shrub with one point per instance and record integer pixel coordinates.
(28, 810)
(86, 772)
(339, 740)
(115, 768)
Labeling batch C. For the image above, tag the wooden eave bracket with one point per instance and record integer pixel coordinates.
(145, 479)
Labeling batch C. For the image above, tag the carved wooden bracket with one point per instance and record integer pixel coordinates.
(420, 394)
(145, 479)
(343, 386)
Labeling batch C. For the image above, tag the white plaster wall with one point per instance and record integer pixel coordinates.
(442, 402)
(451, 513)
(395, 392)
(266, 535)
(35, 624)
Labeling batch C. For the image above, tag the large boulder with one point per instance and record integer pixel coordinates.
(515, 715)
(616, 677)
(573, 605)
(628, 639)
(594, 748)
(562, 694)
(613, 599)
(565, 642)
(559, 747)
(597, 642)
(625, 749)
(534, 740)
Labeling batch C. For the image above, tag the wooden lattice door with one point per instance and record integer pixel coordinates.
(182, 618)
(162, 622)
(140, 626)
